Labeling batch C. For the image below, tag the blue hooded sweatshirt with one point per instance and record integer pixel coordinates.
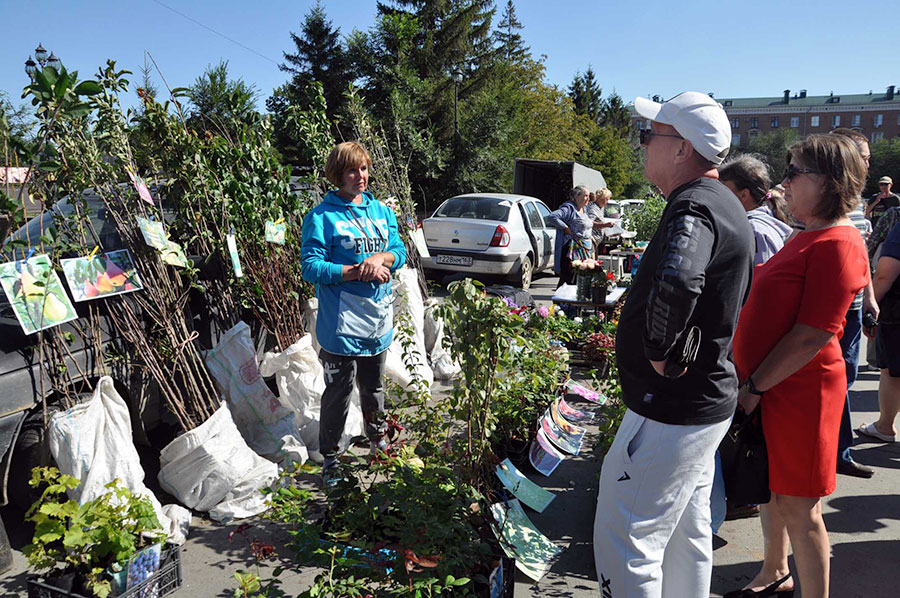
(355, 317)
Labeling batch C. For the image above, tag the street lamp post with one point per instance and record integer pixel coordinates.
(457, 77)
(44, 58)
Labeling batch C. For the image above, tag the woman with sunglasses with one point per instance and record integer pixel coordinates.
(791, 363)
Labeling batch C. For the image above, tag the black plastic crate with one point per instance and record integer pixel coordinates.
(162, 583)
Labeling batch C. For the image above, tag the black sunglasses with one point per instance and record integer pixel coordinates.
(647, 134)
(793, 171)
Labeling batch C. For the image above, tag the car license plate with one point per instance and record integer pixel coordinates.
(453, 260)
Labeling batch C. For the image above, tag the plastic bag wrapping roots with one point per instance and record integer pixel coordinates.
(301, 382)
(442, 364)
(92, 442)
(408, 302)
(310, 312)
(265, 422)
(212, 469)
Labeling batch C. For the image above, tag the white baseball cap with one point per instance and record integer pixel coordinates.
(697, 117)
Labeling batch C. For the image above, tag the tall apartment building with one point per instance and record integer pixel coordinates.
(877, 115)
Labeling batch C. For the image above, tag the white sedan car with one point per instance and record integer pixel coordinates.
(490, 234)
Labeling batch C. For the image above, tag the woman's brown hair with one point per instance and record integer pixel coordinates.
(838, 159)
(342, 158)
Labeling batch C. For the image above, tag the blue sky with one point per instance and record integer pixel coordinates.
(735, 49)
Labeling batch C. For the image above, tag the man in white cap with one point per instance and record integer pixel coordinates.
(652, 533)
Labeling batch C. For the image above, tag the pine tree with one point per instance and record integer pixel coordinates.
(149, 88)
(216, 100)
(587, 95)
(616, 115)
(319, 57)
(454, 57)
(510, 41)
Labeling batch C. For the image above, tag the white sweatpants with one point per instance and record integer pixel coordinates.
(652, 536)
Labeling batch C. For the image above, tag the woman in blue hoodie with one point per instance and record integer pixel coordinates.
(350, 247)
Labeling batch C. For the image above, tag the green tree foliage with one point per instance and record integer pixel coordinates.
(606, 128)
(454, 36)
(510, 42)
(405, 65)
(773, 147)
(318, 57)
(885, 161)
(613, 155)
(587, 96)
(616, 116)
(146, 88)
(15, 127)
(458, 100)
(217, 100)
(138, 136)
(396, 96)
(302, 130)
(645, 220)
(499, 123)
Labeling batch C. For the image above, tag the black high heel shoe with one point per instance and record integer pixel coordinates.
(765, 592)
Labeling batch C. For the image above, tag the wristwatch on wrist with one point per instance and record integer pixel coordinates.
(752, 387)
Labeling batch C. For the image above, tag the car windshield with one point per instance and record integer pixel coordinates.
(478, 208)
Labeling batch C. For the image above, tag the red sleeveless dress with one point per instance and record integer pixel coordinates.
(811, 281)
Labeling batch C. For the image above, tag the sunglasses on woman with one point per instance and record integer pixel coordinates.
(793, 171)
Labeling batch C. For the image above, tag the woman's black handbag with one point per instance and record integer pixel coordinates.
(745, 461)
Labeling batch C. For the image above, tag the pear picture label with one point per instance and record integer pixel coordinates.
(35, 293)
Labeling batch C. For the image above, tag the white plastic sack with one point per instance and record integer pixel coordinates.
(441, 363)
(310, 311)
(432, 328)
(301, 382)
(212, 469)
(265, 422)
(92, 442)
(408, 301)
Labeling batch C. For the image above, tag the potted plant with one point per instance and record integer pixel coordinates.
(600, 348)
(584, 275)
(527, 383)
(77, 544)
(600, 283)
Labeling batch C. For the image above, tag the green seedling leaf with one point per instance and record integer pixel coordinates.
(88, 88)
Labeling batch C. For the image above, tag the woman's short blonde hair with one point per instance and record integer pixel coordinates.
(604, 193)
(343, 157)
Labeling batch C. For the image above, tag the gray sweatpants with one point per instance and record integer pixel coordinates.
(652, 534)
(341, 371)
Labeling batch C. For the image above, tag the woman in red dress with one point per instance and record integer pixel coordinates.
(787, 351)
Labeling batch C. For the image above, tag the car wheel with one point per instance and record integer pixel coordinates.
(522, 279)
(31, 451)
